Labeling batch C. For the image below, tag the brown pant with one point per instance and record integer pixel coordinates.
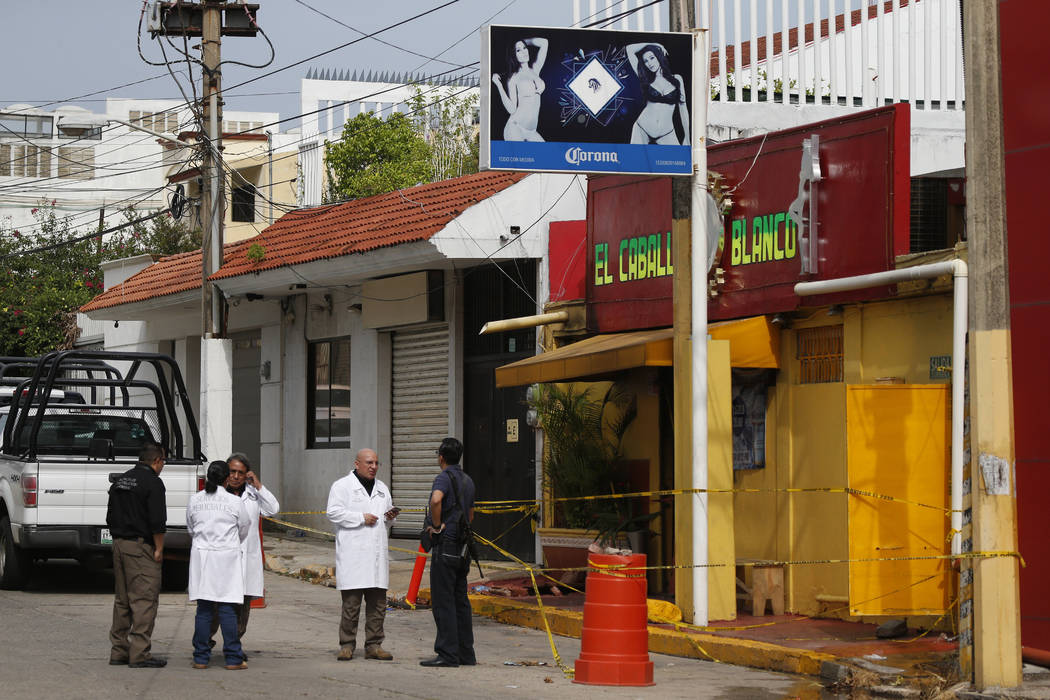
(243, 611)
(375, 614)
(137, 579)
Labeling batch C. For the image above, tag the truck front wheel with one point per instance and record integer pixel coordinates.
(14, 561)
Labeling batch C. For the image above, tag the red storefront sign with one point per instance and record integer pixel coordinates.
(629, 263)
(862, 202)
(862, 198)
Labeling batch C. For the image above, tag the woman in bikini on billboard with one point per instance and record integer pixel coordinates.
(663, 93)
(521, 97)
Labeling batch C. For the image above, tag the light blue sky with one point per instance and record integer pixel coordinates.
(57, 49)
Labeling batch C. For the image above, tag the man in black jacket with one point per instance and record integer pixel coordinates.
(136, 516)
(454, 644)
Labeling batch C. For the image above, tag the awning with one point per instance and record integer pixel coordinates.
(753, 342)
(601, 354)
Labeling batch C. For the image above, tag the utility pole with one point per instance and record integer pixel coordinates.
(214, 198)
(211, 20)
(993, 650)
(690, 340)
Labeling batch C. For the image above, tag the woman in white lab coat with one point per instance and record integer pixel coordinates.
(259, 501)
(218, 522)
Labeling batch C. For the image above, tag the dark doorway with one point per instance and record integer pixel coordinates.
(500, 448)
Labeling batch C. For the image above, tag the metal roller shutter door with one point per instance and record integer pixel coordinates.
(419, 416)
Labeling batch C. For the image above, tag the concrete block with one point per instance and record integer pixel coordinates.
(832, 673)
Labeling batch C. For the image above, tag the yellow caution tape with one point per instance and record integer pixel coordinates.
(569, 672)
(532, 505)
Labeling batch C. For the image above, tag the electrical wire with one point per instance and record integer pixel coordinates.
(381, 41)
(612, 19)
(273, 53)
(343, 46)
(80, 239)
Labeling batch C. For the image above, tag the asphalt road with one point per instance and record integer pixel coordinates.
(54, 645)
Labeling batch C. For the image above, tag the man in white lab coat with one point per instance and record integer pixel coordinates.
(360, 507)
(258, 500)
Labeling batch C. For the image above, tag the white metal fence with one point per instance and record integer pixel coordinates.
(861, 53)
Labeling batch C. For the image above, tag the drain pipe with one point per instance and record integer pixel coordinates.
(958, 270)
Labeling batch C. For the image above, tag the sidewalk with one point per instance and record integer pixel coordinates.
(844, 655)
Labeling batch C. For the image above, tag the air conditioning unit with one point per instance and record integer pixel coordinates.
(403, 300)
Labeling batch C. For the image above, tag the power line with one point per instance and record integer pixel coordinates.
(343, 46)
(364, 35)
(80, 239)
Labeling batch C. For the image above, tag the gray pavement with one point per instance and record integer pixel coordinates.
(54, 642)
(287, 553)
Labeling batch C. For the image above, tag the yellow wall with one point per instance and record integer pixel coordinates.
(721, 579)
(899, 446)
(642, 442)
(249, 162)
(806, 443)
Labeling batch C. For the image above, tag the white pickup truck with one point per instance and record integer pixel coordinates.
(73, 420)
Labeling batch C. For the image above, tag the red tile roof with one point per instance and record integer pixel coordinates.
(170, 275)
(319, 233)
(413, 214)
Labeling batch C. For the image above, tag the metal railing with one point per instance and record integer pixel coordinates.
(848, 52)
(859, 53)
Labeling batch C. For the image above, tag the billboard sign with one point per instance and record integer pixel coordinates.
(585, 101)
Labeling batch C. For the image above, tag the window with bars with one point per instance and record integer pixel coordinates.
(165, 122)
(328, 394)
(76, 163)
(819, 354)
(241, 127)
(24, 160)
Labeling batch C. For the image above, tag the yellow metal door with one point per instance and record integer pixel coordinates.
(898, 446)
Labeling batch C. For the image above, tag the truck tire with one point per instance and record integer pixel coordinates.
(175, 575)
(14, 561)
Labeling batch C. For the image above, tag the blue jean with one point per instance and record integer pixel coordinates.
(231, 642)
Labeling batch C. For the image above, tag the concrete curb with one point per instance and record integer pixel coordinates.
(740, 652)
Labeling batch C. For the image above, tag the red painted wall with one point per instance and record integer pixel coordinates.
(566, 249)
(627, 288)
(863, 209)
(1026, 133)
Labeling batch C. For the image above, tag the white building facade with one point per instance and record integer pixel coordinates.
(83, 177)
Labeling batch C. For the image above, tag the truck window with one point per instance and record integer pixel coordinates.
(71, 433)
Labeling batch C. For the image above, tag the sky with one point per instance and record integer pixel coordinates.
(67, 48)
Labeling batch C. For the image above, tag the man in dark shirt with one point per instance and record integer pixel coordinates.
(136, 517)
(454, 644)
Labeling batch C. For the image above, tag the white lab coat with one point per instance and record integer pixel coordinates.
(257, 502)
(219, 522)
(361, 556)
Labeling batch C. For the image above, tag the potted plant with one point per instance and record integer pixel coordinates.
(583, 427)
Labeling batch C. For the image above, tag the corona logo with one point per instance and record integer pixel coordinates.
(576, 155)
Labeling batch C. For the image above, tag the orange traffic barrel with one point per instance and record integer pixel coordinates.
(614, 647)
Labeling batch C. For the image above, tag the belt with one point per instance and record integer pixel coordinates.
(140, 540)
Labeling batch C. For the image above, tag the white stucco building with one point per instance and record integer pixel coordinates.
(108, 169)
(358, 328)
